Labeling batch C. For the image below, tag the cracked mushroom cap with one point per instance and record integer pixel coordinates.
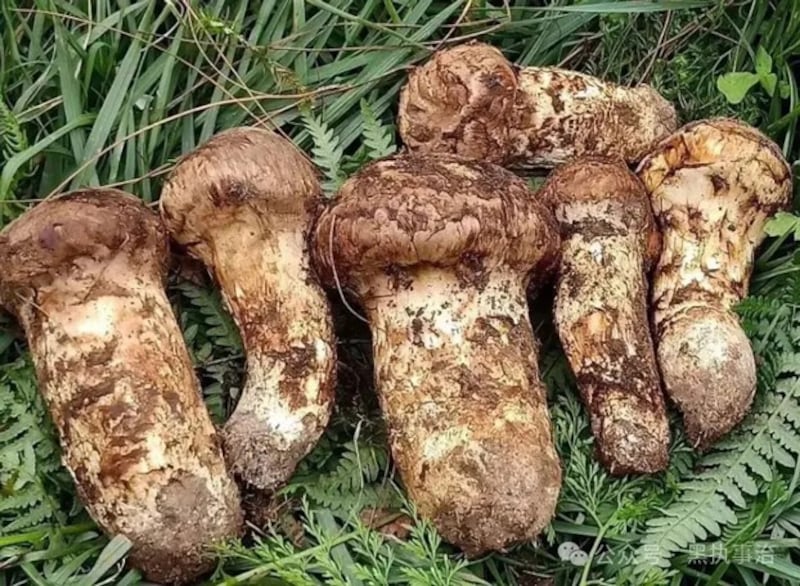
(469, 91)
(577, 190)
(717, 145)
(438, 210)
(233, 174)
(88, 228)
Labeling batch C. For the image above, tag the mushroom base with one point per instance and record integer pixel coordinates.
(456, 371)
(709, 371)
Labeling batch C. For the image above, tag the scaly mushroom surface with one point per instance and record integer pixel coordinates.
(470, 100)
(243, 204)
(439, 251)
(84, 273)
(713, 185)
(609, 243)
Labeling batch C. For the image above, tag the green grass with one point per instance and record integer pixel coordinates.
(110, 93)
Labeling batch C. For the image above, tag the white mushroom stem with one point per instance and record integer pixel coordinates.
(608, 243)
(285, 402)
(456, 369)
(85, 278)
(243, 204)
(602, 319)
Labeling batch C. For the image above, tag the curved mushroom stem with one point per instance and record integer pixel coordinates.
(114, 370)
(287, 334)
(456, 369)
(601, 315)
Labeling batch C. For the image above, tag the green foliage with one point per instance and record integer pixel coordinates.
(348, 553)
(735, 85)
(345, 478)
(784, 224)
(218, 326)
(31, 478)
(12, 139)
(761, 450)
(327, 152)
(215, 345)
(378, 138)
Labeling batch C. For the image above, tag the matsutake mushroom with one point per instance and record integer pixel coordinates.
(713, 185)
(84, 273)
(439, 251)
(471, 101)
(609, 242)
(243, 204)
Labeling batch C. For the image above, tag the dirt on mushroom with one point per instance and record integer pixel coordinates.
(609, 243)
(84, 273)
(439, 251)
(470, 100)
(243, 204)
(713, 185)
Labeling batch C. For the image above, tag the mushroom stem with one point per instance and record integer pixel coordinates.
(87, 287)
(608, 242)
(457, 372)
(603, 324)
(439, 250)
(289, 356)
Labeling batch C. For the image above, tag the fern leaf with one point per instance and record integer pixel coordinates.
(327, 152)
(351, 484)
(709, 496)
(12, 140)
(34, 516)
(378, 139)
(29, 454)
(220, 327)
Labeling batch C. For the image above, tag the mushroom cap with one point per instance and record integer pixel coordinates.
(239, 171)
(74, 232)
(438, 210)
(595, 195)
(723, 143)
(461, 101)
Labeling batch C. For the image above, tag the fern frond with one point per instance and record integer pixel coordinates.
(220, 327)
(327, 152)
(28, 453)
(379, 139)
(12, 138)
(12, 141)
(730, 477)
(351, 482)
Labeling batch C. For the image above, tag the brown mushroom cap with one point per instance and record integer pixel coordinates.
(87, 228)
(603, 181)
(433, 209)
(722, 141)
(469, 90)
(237, 172)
